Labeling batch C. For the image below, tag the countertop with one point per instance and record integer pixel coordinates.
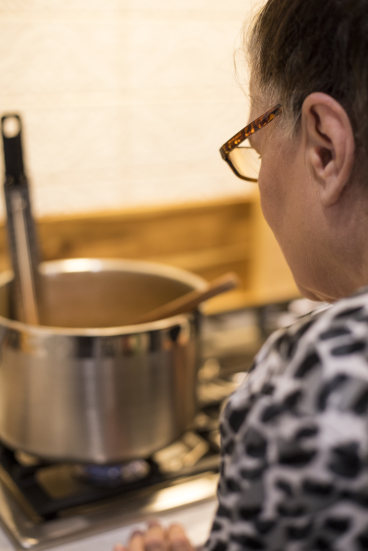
(196, 520)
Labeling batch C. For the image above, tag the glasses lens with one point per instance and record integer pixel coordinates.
(246, 161)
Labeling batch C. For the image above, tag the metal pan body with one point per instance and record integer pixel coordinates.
(85, 385)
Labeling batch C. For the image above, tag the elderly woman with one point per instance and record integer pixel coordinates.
(294, 473)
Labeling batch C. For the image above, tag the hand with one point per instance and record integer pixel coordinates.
(157, 538)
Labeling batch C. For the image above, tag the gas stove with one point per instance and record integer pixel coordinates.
(45, 504)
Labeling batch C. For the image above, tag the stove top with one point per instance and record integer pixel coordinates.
(51, 490)
(45, 504)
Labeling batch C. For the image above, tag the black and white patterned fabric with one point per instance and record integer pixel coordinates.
(294, 471)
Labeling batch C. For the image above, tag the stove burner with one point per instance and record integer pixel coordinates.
(112, 476)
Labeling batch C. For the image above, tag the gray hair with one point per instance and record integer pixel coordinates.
(297, 47)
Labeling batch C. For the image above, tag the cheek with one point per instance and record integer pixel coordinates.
(281, 201)
(273, 200)
(290, 210)
(281, 188)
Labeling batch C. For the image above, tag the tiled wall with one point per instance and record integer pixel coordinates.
(124, 102)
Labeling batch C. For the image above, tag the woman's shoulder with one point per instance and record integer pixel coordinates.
(315, 370)
(294, 436)
(336, 330)
(327, 345)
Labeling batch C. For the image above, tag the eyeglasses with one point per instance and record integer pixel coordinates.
(240, 156)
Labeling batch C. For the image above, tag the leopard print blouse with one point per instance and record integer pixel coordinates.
(294, 469)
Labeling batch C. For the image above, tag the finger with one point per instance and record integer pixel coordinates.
(154, 523)
(178, 539)
(136, 542)
(119, 547)
(154, 539)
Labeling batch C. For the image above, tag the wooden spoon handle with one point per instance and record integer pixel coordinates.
(191, 300)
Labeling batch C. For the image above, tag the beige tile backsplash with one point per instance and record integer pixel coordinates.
(125, 103)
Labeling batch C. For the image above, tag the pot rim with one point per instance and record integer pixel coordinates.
(73, 265)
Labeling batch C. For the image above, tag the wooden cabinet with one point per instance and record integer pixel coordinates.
(206, 238)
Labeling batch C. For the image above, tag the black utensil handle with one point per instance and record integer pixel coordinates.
(22, 234)
(13, 154)
(16, 183)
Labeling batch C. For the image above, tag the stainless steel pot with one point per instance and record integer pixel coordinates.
(86, 386)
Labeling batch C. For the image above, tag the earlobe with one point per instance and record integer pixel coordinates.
(330, 145)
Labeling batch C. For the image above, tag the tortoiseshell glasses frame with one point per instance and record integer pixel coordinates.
(236, 141)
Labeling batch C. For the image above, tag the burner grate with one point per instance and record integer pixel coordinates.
(52, 489)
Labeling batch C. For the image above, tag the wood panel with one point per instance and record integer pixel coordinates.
(206, 238)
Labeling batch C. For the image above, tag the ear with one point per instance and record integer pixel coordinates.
(330, 145)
